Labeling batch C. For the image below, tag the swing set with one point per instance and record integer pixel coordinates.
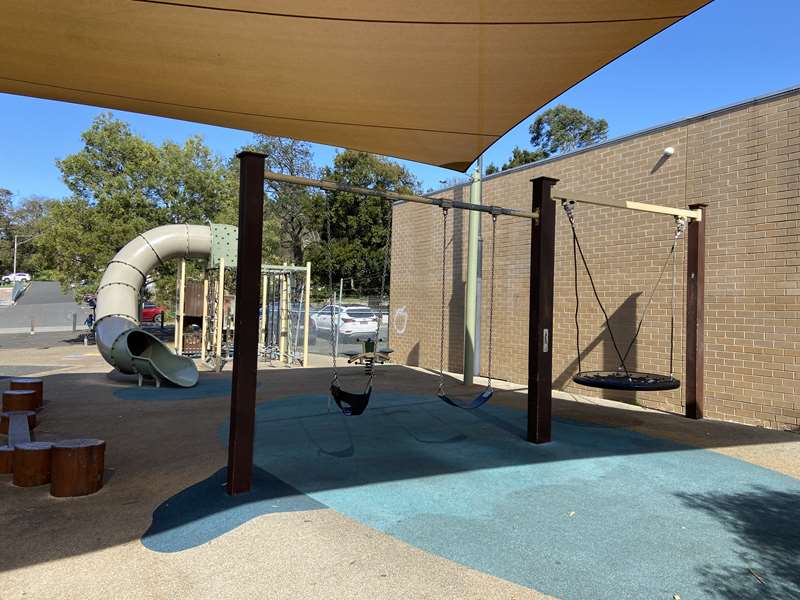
(542, 217)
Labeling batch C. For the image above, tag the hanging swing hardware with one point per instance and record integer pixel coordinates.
(693, 214)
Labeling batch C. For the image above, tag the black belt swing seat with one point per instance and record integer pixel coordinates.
(352, 404)
(623, 378)
(486, 394)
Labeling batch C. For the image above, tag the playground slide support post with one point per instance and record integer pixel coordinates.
(204, 326)
(219, 320)
(181, 308)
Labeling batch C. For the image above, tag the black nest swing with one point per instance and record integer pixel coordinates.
(623, 378)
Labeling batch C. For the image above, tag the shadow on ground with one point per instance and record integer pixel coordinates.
(765, 524)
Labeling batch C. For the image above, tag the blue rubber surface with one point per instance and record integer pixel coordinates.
(599, 513)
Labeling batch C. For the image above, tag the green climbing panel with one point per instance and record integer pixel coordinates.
(224, 244)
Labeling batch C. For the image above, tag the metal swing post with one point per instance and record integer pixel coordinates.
(540, 323)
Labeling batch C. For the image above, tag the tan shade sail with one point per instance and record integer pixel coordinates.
(431, 81)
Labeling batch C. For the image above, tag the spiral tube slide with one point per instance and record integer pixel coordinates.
(121, 342)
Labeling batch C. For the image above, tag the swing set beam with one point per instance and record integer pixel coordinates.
(397, 196)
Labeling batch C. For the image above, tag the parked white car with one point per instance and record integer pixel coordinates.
(353, 320)
(13, 277)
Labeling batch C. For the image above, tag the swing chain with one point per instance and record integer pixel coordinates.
(334, 325)
(441, 391)
(491, 301)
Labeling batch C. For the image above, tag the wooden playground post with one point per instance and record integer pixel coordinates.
(540, 326)
(204, 325)
(245, 362)
(306, 316)
(219, 317)
(695, 313)
(181, 308)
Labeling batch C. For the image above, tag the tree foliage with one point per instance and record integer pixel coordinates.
(563, 129)
(289, 208)
(360, 226)
(557, 130)
(121, 186)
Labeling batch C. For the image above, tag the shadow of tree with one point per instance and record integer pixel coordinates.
(766, 524)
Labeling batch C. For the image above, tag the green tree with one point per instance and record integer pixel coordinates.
(359, 225)
(563, 129)
(557, 130)
(520, 157)
(289, 209)
(123, 185)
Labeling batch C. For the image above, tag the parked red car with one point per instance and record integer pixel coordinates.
(151, 312)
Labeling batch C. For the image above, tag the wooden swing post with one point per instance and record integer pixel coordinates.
(540, 321)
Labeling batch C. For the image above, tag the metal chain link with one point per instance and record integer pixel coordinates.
(444, 280)
(491, 301)
(334, 327)
(386, 254)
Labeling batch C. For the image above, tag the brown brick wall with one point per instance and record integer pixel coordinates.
(743, 162)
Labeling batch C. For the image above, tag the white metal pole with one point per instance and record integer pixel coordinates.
(306, 316)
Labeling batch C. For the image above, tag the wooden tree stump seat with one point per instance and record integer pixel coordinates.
(6, 459)
(20, 400)
(77, 467)
(29, 383)
(32, 463)
(17, 425)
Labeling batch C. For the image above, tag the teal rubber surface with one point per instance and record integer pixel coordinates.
(600, 513)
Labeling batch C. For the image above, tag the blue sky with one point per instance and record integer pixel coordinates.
(729, 51)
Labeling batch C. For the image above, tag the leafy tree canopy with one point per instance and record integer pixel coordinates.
(288, 211)
(360, 226)
(563, 129)
(121, 186)
(557, 130)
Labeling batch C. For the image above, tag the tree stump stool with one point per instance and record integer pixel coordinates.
(6, 459)
(29, 383)
(8, 420)
(20, 400)
(32, 463)
(77, 467)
